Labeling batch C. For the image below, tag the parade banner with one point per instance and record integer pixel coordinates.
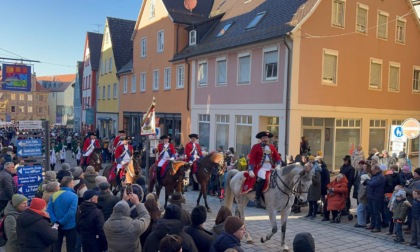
(16, 78)
(148, 124)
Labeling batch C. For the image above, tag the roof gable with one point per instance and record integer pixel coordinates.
(120, 31)
(95, 44)
(181, 15)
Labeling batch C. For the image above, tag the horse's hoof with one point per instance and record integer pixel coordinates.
(250, 242)
(262, 240)
(208, 210)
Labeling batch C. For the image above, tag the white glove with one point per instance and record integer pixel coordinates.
(123, 163)
(190, 162)
(172, 159)
(251, 174)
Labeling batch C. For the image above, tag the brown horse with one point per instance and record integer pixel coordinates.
(117, 184)
(95, 160)
(204, 169)
(172, 179)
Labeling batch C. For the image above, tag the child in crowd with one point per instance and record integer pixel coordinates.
(415, 222)
(391, 206)
(400, 213)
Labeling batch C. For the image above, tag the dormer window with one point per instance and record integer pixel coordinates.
(224, 29)
(193, 37)
(256, 20)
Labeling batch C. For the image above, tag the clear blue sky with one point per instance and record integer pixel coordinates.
(54, 31)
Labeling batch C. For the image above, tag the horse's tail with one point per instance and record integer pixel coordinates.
(228, 190)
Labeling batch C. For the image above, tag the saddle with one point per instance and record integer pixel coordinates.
(176, 165)
(249, 183)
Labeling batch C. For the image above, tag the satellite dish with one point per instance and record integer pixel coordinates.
(190, 4)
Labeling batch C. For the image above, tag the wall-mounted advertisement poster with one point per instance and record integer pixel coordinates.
(16, 77)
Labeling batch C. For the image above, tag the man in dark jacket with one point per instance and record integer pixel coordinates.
(348, 170)
(178, 199)
(325, 180)
(169, 224)
(375, 194)
(231, 238)
(202, 238)
(106, 200)
(7, 187)
(412, 184)
(90, 222)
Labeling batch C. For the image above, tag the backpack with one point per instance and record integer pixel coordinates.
(3, 238)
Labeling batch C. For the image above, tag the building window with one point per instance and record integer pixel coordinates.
(243, 133)
(156, 80)
(347, 134)
(416, 79)
(244, 72)
(224, 29)
(400, 33)
(125, 83)
(40, 110)
(329, 67)
(362, 18)
(193, 37)
(338, 13)
(29, 109)
(202, 73)
(102, 68)
(180, 76)
(382, 25)
(21, 97)
(109, 91)
(204, 129)
(152, 9)
(29, 97)
(40, 98)
(377, 133)
(98, 92)
(12, 109)
(222, 131)
(375, 74)
(142, 82)
(103, 92)
(133, 84)
(256, 20)
(161, 39)
(110, 65)
(167, 78)
(21, 109)
(394, 77)
(270, 65)
(106, 66)
(115, 92)
(13, 97)
(143, 47)
(221, 72)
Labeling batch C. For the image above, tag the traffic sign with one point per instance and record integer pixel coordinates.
(28, 189)
(29, 147)
(396, 134)
(29, 170)
(411, 128)
(30, 125)
(30, 179)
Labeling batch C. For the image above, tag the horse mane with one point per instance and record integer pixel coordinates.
(286, 170)
(216, 157)
(177, 165)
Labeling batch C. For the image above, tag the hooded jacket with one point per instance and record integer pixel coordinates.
(62, 208)
(226, 241)
(10, 221)
(122, 232)
(34, 232)
(168, 226)
(89, 179)
(201, 237)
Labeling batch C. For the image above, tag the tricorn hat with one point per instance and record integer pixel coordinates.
(193, 135)
(264, 133)
(125, 138)
(164, 137)
(121, 131)
(92, 134)
(347, 157)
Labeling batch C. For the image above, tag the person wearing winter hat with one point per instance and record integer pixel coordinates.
(121, 231)
(304, 242)
(219, 225)
(14, 208)
(400, 213)
(231, 238)
(33, 228)
(106, 200)
(169, 224)
(139, 191)
(100, 179)
(411, 184)
(90, 222)
(89, 177)
(201, 237)
(178, 199)
(49, 190)
(362, 199)
(79, 182)
(65, 171)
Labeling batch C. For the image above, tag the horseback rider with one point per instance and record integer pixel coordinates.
(262, 158)
(88, 146)
(192, 153)
(117, 140)
(166, 151)
(123, 154)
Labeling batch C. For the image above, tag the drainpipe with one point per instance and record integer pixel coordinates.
(287, 40)
(188, 84)
(176, 40)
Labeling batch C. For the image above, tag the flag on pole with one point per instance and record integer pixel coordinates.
(148, 124)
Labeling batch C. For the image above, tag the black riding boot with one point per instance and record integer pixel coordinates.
(158, 174)
(259, 193)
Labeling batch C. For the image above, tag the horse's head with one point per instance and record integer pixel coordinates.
(181, 167)
(304, 179)
(137, 161)
(297, 177)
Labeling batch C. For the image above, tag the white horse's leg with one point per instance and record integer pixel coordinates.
(242, 200)
(272, 214)
(284, 215)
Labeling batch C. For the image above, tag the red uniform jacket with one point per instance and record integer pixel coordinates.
(116, 141)
(87, 144)
(120, 151)
(171, 151)
(256, 157)
(188, 150)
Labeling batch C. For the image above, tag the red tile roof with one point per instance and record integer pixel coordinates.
(60, 78)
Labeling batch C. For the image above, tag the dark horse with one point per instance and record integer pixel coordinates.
(172, 179)
(202, 176)
(116, 184)
(95, 160)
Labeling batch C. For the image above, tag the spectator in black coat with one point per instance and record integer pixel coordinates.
(231, 238)
(7, 186)
(90, 222)
(106, 200)
(325, 180)
(202, 238)
(348, 170)
(65, 171)
(178, 199)
(33, 228)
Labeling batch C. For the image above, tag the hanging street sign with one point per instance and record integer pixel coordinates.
(29, 147)
(30, 125)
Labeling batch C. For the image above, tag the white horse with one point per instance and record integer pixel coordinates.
(286, 183)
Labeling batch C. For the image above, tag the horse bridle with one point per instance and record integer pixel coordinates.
(297, 184)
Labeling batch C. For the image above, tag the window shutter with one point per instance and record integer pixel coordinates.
(393, 77)
(329, 67)
(221, 71)
(361, 20)
(271, 57)
(375, 75)
(244, 66)
(382, 26)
